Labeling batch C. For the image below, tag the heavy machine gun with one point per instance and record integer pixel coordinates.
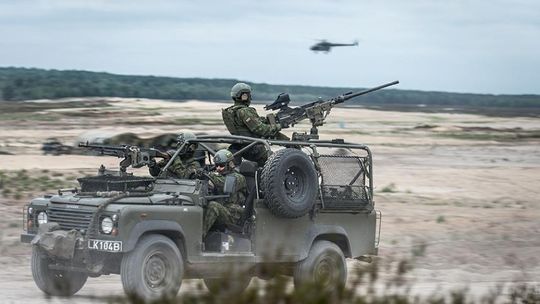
(133, 156)
(316, 111)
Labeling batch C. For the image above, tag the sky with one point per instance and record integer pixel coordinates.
(473, 46)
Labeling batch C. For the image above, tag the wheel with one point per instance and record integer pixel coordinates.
(233, 286)
(324, 267)
(289, 183)
(54, 282)
(153, 269)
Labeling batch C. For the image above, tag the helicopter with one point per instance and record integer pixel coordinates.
(325, 46)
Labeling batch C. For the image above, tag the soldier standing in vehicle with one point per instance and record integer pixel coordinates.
(230, 210)
(243, 120)
(185, 166)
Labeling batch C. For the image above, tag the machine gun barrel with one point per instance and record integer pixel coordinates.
(316, 111)
(350, 95)
(133, 155)
(118, 151)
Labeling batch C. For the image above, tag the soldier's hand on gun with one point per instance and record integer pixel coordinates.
(199, 174)
(152, 163)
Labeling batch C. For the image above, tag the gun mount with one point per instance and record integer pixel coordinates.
(133, 156)
(316, 111)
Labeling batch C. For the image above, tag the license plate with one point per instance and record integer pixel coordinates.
(110, 246)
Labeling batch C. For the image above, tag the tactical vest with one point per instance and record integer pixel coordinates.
(233, 122)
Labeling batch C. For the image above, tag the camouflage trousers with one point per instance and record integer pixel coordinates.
(216, 213)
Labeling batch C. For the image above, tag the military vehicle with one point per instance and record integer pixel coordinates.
(325, 46)
(309, 208)
(54, 147)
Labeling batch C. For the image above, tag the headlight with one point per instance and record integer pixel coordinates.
(42, 218)
(106, 225)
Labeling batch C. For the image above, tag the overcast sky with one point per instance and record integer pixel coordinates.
(473, 46)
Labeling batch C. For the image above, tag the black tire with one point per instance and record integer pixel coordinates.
(228, 287)
(153, 269)
(324, 267)
(289, 183)
(54, 282)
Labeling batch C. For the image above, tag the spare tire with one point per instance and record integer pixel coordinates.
(289, 183)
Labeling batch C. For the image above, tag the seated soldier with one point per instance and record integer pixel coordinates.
(230, 210)
(185, 166)
(241, 119)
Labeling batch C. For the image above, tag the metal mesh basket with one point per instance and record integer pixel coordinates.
(115, 183)
(343, 182)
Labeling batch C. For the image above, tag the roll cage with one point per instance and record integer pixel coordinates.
(345, 179)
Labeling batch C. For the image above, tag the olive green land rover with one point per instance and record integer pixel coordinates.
(308, 209)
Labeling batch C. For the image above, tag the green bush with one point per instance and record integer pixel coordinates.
(391, 188)
(23, 183)
(364, 287)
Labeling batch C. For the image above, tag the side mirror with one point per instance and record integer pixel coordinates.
(230, 184)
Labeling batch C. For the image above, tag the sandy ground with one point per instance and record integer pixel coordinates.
(459, 193)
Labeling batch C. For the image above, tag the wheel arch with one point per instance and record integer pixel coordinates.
(339, 239)
(331, 233)
(170, 229)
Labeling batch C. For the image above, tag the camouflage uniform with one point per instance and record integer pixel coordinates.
(243, 120)
(229, 211)
(184, 168)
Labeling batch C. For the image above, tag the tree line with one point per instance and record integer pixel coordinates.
(31, 83)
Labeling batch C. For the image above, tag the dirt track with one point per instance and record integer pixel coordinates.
(462, 203)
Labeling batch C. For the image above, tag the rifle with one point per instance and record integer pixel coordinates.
(134, 156)
(316, 111)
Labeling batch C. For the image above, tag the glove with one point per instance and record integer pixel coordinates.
(199, 174)
(152, 163)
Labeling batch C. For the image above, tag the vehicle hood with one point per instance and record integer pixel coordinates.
(74, 199)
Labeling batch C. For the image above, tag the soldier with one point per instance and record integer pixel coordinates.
(230, 210)
(243, 120)
(185, 165)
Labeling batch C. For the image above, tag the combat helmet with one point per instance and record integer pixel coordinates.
(183, 137)
(223, 157)
(238, 89)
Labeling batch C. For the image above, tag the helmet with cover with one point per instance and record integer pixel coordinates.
(185, 136)
(223, 160)
(241, 92)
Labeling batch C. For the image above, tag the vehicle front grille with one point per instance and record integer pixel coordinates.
(69, 218)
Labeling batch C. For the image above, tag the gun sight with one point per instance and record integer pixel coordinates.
(281, 101)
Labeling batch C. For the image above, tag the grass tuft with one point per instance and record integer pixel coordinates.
(391, 188)
(364, 286)
(441, 219)
(22, 183)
